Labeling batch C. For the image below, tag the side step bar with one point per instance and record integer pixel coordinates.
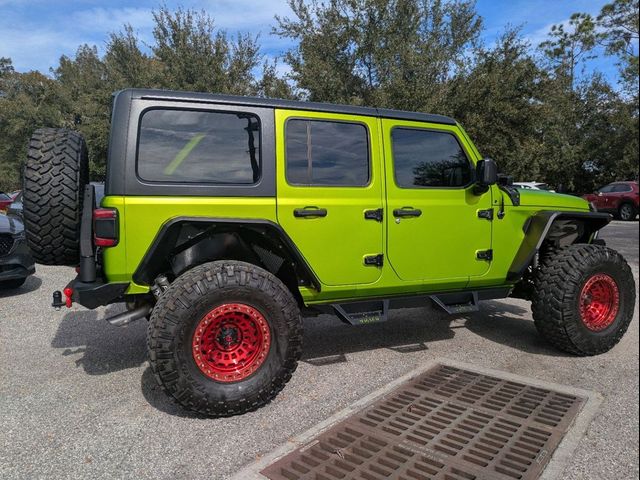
(454, 303)
(375, 311)
(363, 313)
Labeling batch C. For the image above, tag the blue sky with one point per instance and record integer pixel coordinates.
(34, 33)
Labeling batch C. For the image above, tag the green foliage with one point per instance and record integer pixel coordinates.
(499, 100)
(389, 53)
(535, 112)
(29, 101)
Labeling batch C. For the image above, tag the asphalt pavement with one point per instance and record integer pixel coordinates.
(77, 398)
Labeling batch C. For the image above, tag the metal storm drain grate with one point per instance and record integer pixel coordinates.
(447, 423)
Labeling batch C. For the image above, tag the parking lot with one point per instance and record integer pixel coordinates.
(77, 398)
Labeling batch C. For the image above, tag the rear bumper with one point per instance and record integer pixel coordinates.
(18, 263)
(94, 294)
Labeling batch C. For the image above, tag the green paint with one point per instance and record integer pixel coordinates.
(433, 252)
(183, 154)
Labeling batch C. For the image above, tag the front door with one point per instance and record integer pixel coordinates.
(329, 181)
(436, 229)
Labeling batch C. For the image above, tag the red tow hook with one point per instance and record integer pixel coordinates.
(57, 298)
(68, 292)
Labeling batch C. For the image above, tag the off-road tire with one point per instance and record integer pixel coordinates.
(186, 302)
(12, 284)
(55, 174)
(627, 212)
(559, 282)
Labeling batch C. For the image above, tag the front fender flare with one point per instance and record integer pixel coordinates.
(538, 227)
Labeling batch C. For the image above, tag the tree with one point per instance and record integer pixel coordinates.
(29, 101)
(195, 56)
(87, 92)
(570, 46)
(387, 53)
(499, 101)
(620, 30)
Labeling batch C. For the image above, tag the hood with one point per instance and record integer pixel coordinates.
(11, 224)
(542, 198)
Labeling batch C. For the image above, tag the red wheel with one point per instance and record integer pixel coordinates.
(231, 342)
(583, 298)
(599, 302)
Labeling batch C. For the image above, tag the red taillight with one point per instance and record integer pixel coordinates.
(105, 227)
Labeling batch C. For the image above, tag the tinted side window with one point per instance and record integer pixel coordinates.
(606, 189)
(424, 158)
(199, 147)
(621, 187)
(326, 153)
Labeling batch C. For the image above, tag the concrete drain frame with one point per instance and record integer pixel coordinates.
(445, 420)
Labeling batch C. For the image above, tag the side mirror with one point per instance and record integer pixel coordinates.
(486, 175)
(599, 194)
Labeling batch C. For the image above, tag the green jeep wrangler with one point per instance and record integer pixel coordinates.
(226, 217)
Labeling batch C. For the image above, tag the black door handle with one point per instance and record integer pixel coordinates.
(310, 212)
(407, 212)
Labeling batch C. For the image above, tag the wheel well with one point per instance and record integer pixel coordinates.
(185, 243)
(564, 232)
(552, 229)
(626, 202)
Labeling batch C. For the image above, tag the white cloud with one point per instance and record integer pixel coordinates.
(35, 33)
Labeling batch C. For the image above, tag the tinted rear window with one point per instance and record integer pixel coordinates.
(425, 158)
(199, 147)
(326, 153)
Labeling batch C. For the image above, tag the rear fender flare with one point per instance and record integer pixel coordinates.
(184, 242)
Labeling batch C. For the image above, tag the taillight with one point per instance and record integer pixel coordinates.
(105, 227)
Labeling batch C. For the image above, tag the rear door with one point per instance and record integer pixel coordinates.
(329, 181)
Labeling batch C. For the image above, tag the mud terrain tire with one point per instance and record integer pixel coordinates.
(583, 298)
(251, 312)
(55, 174)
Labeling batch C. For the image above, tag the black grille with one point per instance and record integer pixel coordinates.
(6, 243)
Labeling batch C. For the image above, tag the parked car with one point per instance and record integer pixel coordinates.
(224, 217)
(16, 262)
(618, 198)
(5, 201)
(532, 186)
(15, 208)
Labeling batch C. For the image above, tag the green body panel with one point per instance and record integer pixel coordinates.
(335, 245)
(544, 200)
(438, 247)
(141, 218)
(435, 252)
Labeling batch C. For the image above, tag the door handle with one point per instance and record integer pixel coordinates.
(310, 212)
(407, 212)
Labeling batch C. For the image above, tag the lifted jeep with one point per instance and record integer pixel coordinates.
(225, 217)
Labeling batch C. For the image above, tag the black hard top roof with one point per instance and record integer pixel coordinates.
(290, 104)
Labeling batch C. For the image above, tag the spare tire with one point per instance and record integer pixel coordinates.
(55, 174)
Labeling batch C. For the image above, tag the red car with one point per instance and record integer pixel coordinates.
(619, 198)
(5, 200)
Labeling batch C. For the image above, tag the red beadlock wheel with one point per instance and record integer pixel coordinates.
(231, 342)
(599, 302)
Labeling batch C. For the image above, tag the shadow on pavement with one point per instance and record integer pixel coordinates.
(32, 284)
(160, 400)
(104, 347)
(327, 340)
(502, 323)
